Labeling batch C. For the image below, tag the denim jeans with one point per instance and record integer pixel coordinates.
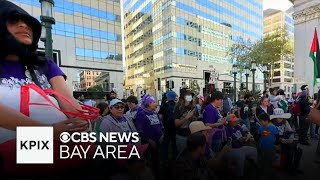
(312, 130)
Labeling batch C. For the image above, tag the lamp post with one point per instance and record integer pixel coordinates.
(247, 73)
(265, 73)
(253, 70)
(234, 72)
(47, 20)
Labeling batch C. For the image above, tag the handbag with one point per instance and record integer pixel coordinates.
(314, 115)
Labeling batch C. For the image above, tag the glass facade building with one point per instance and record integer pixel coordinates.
(183, 40)
(283, 71)
(87, 41)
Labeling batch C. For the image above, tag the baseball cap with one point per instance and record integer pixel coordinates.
(232, 118)
(114, 102)
(197, 126)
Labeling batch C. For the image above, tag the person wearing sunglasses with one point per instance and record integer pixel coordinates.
(117, 121)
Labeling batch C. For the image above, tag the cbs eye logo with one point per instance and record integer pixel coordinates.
(65, 137)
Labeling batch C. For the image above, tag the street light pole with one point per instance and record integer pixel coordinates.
(234, 71)
(253, 69)
(47, 21)
(247, 72)
(265, 72)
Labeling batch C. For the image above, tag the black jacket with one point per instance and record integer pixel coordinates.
(167, 110)
(305, 106)
(259, 111)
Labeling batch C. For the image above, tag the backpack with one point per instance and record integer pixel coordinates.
(296, 107)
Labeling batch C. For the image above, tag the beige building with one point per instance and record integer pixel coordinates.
(184, 41)
(283, 72)
(306, 18)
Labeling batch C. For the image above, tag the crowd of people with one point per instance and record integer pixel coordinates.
(212, 137)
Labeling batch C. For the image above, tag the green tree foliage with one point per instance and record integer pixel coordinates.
(271, 48)
(95, 89)
(268, 50)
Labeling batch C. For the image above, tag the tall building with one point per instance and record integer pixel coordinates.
(306, 18)
(87, 41)
(184, 41)
(283, 71)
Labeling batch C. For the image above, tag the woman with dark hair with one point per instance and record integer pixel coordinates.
(264, 107)
(21, 65)
(213, 118)
(185, 112)
(104, 111)
(22, 71)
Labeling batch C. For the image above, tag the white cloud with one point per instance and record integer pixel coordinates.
(277, 4)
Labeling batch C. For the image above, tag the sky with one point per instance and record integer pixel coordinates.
(276, 4)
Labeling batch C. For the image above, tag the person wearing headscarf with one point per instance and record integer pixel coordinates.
(150, 128)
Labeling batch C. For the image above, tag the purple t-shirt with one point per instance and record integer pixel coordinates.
(212, 115)
(148, 125)
(14, 74)
(235, 133)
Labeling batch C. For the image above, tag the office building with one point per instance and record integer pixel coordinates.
(87, 41)
(184, 41)
(282, 72)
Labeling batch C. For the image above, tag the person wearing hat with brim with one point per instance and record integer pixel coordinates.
(287, 141)
(117, 121)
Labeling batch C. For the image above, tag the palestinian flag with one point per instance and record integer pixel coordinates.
(315, 56)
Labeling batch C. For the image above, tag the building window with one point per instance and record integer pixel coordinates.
(276, 80)
(277, 73)
(287, 80)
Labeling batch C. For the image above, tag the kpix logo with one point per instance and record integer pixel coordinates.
(34, 145)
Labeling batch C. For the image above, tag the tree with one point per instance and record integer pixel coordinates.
(272, 48)
(95, 89)
(239, 53)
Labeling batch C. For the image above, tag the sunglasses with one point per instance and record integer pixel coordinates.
(119, 107)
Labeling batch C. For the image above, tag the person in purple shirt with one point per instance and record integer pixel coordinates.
(150, 128)
(240, 141)
(213, 118)
(20, 65)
